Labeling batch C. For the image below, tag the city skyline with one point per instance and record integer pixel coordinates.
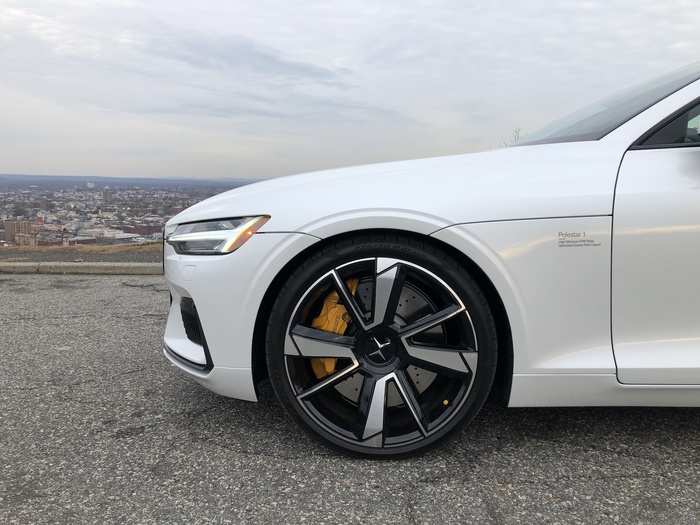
(18, 179)
(66, 211)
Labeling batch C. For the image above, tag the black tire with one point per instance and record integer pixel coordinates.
(428, 258)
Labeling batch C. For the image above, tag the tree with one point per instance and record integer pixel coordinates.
(514, 139)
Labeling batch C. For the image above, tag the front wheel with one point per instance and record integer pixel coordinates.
(381, 345)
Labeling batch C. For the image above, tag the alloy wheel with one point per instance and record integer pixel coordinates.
(380, 353)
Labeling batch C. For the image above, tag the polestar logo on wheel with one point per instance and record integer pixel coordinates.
(381, 345)
(378, 351)
(384, 321)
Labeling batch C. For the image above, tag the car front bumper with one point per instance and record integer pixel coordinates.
(214, 307)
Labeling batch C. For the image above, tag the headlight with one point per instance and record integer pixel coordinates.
(169, 230)
(214, 237)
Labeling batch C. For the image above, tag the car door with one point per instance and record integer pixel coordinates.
(656, 255)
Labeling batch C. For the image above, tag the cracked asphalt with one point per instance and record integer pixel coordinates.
(96, 426)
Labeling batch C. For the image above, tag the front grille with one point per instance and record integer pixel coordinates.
(193, 329)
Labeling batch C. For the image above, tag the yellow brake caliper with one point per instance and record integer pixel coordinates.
(333, 318)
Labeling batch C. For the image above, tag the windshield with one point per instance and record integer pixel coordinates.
(600, 118)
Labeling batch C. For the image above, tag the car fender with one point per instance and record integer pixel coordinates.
(556, 294)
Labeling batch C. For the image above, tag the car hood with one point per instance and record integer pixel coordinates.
(527, 182)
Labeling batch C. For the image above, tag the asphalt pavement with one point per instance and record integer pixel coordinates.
(96, 426)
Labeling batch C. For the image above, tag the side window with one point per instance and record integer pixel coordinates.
(684, 130)
(694, 126)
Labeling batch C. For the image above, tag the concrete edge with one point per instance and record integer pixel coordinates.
(94, 268)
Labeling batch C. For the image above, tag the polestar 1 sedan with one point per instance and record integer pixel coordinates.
(386, 303)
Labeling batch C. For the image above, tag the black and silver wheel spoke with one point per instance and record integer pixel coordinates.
(331, 380)
(407, 392)
(372, 406)
(388, 284)
(310, 342)
(443, 360)
(430, 321)
(348, 300)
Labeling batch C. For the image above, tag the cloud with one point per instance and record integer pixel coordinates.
(232, 53)
(260, 88)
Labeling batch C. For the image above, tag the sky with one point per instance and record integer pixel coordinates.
(262, 88)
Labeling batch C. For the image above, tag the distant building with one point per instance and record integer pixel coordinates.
(143, 229)
(70, 241)
(27, 239)
(14, 228)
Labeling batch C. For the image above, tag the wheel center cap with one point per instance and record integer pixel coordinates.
(382, 351)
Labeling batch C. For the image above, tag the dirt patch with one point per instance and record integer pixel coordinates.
(150, 252)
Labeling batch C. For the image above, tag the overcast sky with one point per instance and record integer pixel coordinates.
(262, 88)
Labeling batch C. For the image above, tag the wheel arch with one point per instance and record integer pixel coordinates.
(500, 392)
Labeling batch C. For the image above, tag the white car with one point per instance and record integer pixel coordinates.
(386, 303)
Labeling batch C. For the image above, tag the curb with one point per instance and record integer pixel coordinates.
(94, 268)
